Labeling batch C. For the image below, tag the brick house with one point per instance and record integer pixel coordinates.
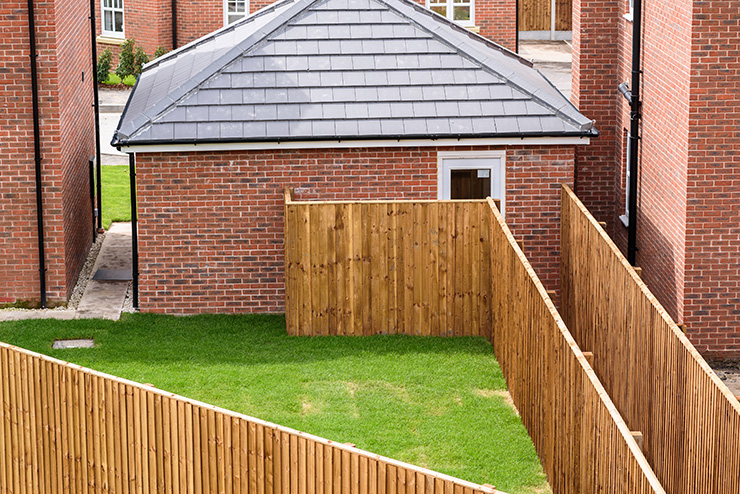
(66, 143)
(152, 24)
(689, 167)
(339, 99)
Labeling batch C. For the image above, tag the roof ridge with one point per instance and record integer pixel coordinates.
(217, 65)
(478, 38)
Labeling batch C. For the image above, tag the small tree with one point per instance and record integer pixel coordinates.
(126, 60)
(140, 58)
(104, 62)
(159, 52)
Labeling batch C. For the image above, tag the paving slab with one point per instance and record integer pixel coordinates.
(553, 59)
(108, 124)
(25, 315)
(104, 299)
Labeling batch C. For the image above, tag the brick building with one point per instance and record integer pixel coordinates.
(150, 22)
(339, 100)
(66, 138)
(689, 180)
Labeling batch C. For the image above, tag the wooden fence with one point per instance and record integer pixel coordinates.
(65, 429)
(413, 267)
(534, 15)
(661, 385)
(582, 441)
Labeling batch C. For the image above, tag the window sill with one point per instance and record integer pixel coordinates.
(110, 40)
(625, 220)
(475, 29)
(628, 17)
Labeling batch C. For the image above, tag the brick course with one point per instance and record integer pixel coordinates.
(67, 142)
(211, 223)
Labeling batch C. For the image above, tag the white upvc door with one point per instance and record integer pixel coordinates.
(472, 175)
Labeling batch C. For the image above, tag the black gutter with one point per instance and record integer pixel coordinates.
(96, 105)
(91, 179)
(634, 139)
(37, 153)
(174, 24)
(517, 26)
(134, 231)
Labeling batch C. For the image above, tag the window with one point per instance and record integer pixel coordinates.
(113, 18)
(472, 175)
(460, 11)
(235, 10)
(631, 10)
(625, 218)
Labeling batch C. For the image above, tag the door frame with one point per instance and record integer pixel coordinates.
(444, 171)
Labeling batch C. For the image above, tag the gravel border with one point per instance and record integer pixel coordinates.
(87, 273)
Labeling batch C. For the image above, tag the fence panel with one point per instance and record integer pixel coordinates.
(582, 441)
(64, 428)
(413, 267)
(659, 382)
(534, 15)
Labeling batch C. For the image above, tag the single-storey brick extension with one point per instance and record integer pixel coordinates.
(339, 99)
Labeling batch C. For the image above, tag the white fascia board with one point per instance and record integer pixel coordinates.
(388, 143)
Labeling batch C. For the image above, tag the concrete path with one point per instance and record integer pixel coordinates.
(102, 299)
(112, 103)
(553, 59)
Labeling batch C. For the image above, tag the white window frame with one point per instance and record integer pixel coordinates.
(450, 10)
(444, 171)
(625, 218)
(226, 11)
(103, 9)
(631, 10)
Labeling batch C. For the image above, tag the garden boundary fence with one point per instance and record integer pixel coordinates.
(64, 428)
(392, 256)
(368, 267)
(690, 422)
(582, 441)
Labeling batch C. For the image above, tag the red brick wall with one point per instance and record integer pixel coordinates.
(595, 56)
(211, 223)
(712, 300)
(688, 185)
(149, 22)
(66, 117)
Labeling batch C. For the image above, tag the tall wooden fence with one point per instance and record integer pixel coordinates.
(65, 429)
(661, 385)
(535, 15)
(582, 441)
(413, 267)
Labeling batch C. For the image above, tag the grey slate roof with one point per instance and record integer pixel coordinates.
(343, 69)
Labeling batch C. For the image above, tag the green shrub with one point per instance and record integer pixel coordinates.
(126, 59)
(140, 58)
(159, 52)
(104, 62)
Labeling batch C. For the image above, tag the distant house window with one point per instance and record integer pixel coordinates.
(113, 18)
(460, 11)
(628, 149)
(235, 10)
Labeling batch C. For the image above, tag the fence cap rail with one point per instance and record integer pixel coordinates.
(290, 199)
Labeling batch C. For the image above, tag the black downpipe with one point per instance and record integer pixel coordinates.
(517, 26)
(37, 154)
(134, 231)
(96, 105)
(174, 24)
(635, 117)
(91, 168)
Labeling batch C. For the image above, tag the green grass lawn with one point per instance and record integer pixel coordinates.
(116, 194)
(434, 402)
